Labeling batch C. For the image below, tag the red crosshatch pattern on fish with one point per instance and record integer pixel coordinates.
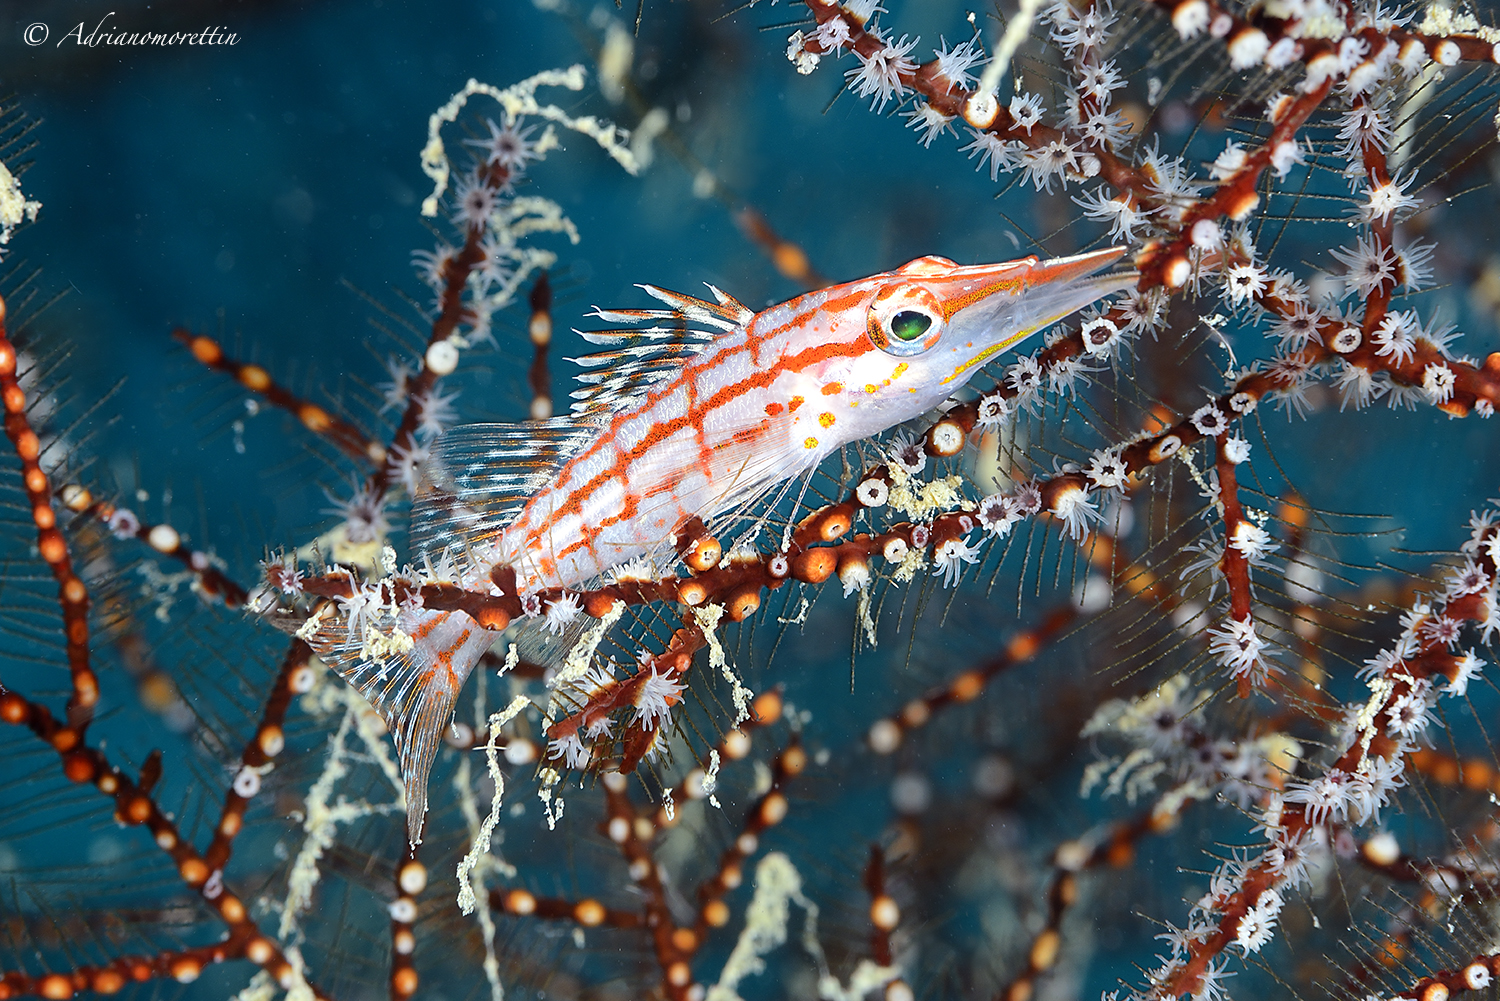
(700, 411)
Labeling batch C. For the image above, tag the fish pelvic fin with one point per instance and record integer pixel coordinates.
(410, 667)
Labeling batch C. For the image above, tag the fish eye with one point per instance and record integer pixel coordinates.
(905, 319)
(909, 324)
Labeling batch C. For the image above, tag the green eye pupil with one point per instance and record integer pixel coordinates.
(909, 324)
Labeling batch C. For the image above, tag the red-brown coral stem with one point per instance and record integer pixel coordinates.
(452, 311)
(135, 807)
(181, 965)
(411, 880)
(72, 593)
(295, 676)
(539, 329)
(345, 436)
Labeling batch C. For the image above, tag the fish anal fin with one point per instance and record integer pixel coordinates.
(418, 735)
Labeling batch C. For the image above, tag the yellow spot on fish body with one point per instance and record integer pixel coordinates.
(826, 419)
(811, 442)
(871, 387)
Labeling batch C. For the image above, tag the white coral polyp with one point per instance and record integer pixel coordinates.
(656, 697)
(561, 612)
(1073, 508)
(1238, 649)
(949, 559)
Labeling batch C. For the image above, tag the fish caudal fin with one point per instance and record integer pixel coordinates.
(410, 666)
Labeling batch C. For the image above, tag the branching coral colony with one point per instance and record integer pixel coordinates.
(1191, 639)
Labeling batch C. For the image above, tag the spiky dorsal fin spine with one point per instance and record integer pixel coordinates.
(732, 306)
(726, 313)
(636, 359)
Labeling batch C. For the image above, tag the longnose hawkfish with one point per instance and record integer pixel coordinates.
(701, 415)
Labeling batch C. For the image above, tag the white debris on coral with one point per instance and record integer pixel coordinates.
(576, 665)
(517, 100)
(708, 617)
(15, 208)
(778, 885)
(320, 818)
(481, 840)
(921, 499)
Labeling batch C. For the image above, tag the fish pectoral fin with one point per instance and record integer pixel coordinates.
(536, 644)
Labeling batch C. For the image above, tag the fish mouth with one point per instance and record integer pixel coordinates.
(1053, 290)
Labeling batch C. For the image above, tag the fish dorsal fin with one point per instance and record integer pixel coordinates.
(478, 477)
(638, 358)
(726, 313)
(736, 308)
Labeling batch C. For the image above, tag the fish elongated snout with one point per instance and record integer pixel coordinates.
(1042, 305)
(1045, 292)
